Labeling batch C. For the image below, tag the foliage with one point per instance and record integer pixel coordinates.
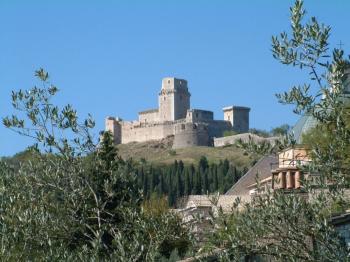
(259, 132)
(265, 147)
(229, 133)
(281, 130)
(286, 228)
(295, 226)
(177, 180)
(48, 124)
(74, 201)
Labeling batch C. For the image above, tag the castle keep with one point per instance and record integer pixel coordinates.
(190, 127)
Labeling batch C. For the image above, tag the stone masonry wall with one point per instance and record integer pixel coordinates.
(190, 134)
(230, 140)
(139, 132)
(216, 128)
(241, 120)
(149, 116)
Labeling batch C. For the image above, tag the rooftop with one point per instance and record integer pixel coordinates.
(236, 107)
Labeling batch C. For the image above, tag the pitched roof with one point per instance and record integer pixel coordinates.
(262, 168)
(203, 201)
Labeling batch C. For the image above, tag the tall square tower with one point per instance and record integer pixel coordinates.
(174, 99)
(238, 116)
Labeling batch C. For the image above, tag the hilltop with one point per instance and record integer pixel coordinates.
(160, 152)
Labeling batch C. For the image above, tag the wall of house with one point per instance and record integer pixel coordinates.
(293, 157)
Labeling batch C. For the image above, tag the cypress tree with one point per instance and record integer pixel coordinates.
(236, 175)
(197, 183)
(176, 165)
(226, 166)
(171, 198)
(215, 179)
(161, 186)
(179, 185)
(203, 164)
(187, 186)
(229, 178)
(221, 178)
(181, 166)
(205, 182)
(192, 171)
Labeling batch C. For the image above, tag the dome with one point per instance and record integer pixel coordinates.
(304, 124)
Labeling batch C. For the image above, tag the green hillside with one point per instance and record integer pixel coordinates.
(160, 152)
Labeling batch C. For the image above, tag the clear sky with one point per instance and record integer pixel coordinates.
(108, 57)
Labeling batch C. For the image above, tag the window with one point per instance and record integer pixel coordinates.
(180, 97)
(164, 98)
(168, 81)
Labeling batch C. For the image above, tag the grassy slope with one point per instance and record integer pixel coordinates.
(161, 153)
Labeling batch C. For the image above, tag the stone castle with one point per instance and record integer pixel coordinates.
(190, 127)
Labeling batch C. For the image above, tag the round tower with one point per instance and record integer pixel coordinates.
(190, 134)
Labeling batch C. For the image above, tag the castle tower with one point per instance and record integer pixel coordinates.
(113, 125)
(238, 116)
(174, 99)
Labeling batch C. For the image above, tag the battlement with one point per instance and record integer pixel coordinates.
(172, 83)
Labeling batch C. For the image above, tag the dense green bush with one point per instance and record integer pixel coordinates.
(73, 200)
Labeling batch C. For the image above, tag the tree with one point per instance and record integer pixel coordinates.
(179, 184)
(72, 200)
(197, 181)
(188, 186)
(281, 130)
(284, 227)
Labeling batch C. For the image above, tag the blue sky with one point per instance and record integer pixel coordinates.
(108, 57)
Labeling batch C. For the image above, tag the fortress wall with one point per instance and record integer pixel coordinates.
(149, 117)
(113, 126)
(181, 103)
(189, 134)
(216, 128)
(230, 140)
(166, 105)
(137, 132)
(241, 120)
(195, 115)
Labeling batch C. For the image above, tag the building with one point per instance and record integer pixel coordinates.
(287, 175)
(174, 117)
(246, 186)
